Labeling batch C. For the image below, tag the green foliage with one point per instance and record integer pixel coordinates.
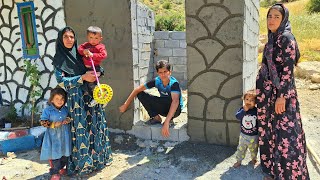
(267, 3)
(172, 22)
(11, 116)
(166, 5)
(313, 6)
(169, 14)
(33, 75)
(304, 27)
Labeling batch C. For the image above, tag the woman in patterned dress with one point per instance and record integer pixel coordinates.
(281, 137)
(89, 132)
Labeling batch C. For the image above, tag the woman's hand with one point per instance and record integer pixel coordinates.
(280, 105)
(89, 77)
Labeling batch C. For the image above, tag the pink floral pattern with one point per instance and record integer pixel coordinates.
(281, 137)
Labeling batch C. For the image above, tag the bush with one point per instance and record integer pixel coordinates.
(166, 5)
(267, 3)
(172, 22)
(11, 116)
(313, 6)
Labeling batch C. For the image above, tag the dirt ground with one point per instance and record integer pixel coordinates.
(157, 160)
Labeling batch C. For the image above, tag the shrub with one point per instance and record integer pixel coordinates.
(11, 116)
(172, 22)
(166, 5)
(267, 3)
(313, 6)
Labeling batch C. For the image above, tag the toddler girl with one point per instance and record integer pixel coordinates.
(56, 145)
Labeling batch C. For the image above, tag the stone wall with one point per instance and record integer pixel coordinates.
(171, 46)
(215, 38)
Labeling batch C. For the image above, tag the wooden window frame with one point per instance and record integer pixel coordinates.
(27, 21)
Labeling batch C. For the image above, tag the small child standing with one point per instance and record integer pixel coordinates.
(248, 129)
(56, 145)
(95, 50)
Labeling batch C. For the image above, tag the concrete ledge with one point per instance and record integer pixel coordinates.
(141, 130)
(178, 132)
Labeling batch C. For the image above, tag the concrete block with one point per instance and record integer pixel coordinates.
(156, 133)
(157, 58)
(180, 68)
(179, 52)
(164, 51)
(145, 55)
(141, 131)
(183, 44)
(183, 135)
(178, 75)
(171, 43)
(117, 131)
(161, 35)
(178, 35)
(158, 43)
(145, 38)
(178, 60)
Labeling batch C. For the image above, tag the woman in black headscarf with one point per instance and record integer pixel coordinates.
(89, 132)
(281, 137)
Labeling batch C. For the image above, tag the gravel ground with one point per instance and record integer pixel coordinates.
(158, 160)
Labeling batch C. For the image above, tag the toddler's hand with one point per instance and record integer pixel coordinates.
(66, 121)
(57, 124)
(90, 54)
(45, 123)
(245, 108)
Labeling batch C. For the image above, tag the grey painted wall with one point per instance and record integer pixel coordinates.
(215, 39)
(114, 17)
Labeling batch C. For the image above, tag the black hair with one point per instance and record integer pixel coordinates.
(94, 30)
(163, 63)
(278, 7)
(58, 91)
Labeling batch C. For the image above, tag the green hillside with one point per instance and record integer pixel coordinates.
(170, 16)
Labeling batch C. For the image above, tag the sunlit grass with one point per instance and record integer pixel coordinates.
(304, 26)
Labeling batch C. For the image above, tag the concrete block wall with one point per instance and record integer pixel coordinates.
(250, 44)
(143, 27)
(171, 46)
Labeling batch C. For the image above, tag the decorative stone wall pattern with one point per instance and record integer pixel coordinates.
(215, 46)
(172, 46)
(49, 19)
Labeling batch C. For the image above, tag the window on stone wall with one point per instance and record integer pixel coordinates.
(28, 30)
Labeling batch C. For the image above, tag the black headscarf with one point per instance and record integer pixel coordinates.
(68, 60)
(284, 27)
